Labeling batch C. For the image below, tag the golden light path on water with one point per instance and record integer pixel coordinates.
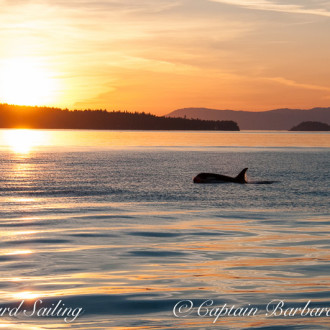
(23, 141)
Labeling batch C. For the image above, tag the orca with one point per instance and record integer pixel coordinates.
(218, 178)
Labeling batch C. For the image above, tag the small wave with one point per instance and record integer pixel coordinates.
(156, 254)
(38, 241)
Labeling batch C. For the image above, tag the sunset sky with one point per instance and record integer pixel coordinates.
(161, 55)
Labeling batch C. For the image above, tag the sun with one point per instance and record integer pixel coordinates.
(26, 81)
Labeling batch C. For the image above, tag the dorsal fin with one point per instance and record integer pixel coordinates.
(241, 177)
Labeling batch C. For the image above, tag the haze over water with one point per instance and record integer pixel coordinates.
(111, 222)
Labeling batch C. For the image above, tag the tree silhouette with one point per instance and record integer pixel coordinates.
(14, 116)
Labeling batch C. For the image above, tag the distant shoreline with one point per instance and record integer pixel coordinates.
(311, 126)
(278, 119)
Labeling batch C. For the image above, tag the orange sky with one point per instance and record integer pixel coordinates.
(158, 56)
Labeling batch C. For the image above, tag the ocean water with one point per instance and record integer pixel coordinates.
(97, 233)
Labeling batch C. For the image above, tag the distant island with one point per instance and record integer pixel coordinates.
(311, 126)
(279, 119)
(14, 116)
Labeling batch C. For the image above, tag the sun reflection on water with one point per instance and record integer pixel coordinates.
(19, 252)
(22, 141)
(26, 295)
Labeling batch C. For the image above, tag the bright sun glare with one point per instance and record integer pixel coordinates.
(21, 141)
(25, 81)
(25, 295)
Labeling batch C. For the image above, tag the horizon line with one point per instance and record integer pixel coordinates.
(170, 111)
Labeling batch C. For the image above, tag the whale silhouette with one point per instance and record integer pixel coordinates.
(218, 178)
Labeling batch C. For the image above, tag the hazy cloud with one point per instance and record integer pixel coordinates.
(105, 5)
(293, 83)
(285, 7)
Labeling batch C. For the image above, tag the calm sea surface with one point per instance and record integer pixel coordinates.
(111, 222)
